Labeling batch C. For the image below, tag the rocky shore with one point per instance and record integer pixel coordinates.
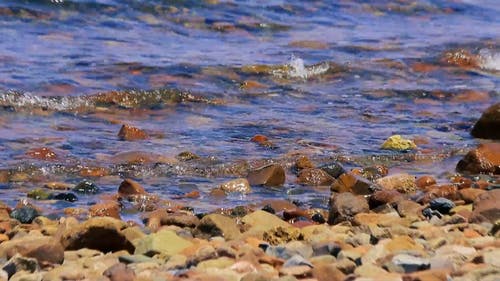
(379, 225)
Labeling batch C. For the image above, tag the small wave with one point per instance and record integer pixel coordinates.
(297, 69)
(124, 99)
(489, 59)
(20, 101)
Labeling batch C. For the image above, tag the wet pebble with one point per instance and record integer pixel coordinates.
(131, 133)
(86, 187)
(334, 169)
(70, 197)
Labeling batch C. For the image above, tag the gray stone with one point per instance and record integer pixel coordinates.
(296, 260)
(411, 263)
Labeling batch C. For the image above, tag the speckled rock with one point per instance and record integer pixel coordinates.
(105, 209)
(484, 159)
(131, 133)
(314, 177)
(240, 185)
(403, 183)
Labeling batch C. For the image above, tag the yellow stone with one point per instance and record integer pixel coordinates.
(397, 142)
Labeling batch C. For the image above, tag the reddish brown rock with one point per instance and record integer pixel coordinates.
(42, 153)
(384, 196)
(372, 172)
(470, 96)
(488, 125)
(119, 272)
(105, 209)
(425, 181)
(94, 172)
(251, 85)
(270, 175)
(348, 182)
(448, 191)
(314, 177)
(462, 182)
(461, 58)
(486, 206)
(343, 206)
(259, 139)
(130, 187)
(303, 162)
(181, 219)
(484, 159)
(469, 195)
(130, 133)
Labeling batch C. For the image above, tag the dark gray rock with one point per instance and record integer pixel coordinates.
(441, 205)
(25, 214)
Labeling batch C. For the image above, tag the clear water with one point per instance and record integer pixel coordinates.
(327, 79)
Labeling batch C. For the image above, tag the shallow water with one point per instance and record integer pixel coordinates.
(332, 81)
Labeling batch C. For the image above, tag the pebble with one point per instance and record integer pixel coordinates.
(25, 214)
(442, 205)
(86, 187)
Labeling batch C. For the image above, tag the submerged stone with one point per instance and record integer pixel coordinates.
(70, 197)
(131, 133)
(333, 169)
(39, 194)
(86, 187)
(186, 156)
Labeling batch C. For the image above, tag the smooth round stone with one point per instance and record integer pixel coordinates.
(441, 205)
